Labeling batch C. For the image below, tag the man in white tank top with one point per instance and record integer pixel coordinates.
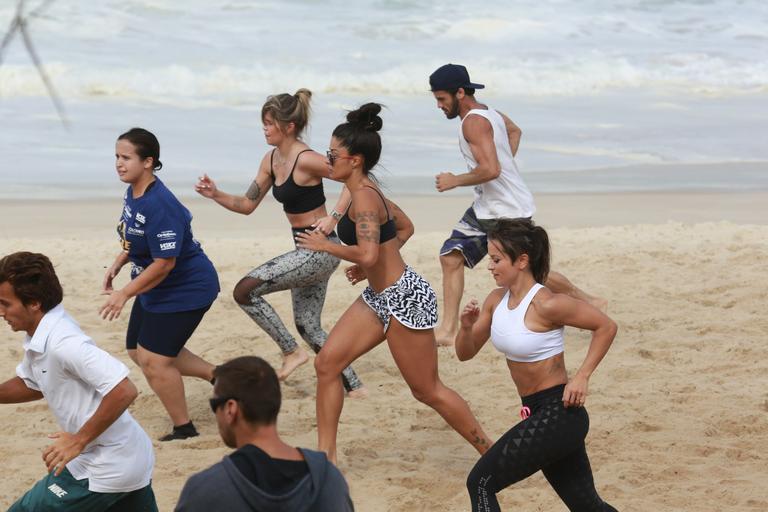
(488, 140)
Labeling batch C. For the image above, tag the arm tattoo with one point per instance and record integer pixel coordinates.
(368, 226)
(254, 191)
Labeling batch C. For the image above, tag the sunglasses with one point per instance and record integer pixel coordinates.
(219, 401)
(332, 157)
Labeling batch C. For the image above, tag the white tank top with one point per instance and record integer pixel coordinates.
(511, 337)
(506, 196)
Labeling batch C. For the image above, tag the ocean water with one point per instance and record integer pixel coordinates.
(611, 95)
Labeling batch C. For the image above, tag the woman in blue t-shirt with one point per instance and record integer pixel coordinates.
(174, 281)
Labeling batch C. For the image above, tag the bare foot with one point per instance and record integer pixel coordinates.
(292, 361)
(444, 337)
(359, 393)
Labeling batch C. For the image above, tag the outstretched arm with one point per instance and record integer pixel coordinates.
(15, 391)
(478, 133)
(68, 446)
(245, 203)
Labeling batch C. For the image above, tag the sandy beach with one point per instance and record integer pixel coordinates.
(679, 407)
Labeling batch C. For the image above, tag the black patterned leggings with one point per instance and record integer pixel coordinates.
(306, 274)
(551, 439)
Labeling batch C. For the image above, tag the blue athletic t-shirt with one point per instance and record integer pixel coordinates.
(157, 225)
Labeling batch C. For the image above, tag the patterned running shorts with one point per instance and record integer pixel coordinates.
(411, 300)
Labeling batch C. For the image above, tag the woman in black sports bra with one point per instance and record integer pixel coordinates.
(398, 305)
(295, 173)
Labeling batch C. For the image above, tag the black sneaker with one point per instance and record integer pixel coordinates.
(181, 432)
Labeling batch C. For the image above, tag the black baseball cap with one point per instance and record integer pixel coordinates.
(451, 76)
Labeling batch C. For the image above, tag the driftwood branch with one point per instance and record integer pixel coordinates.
(19, 24)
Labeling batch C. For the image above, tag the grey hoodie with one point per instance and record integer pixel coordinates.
(222, 488)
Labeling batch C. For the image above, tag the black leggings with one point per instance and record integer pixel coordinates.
(551, 439)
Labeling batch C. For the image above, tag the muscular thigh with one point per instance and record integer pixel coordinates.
(356, 332)
(414, 352)
(549, 435)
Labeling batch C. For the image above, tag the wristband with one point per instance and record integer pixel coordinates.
(336, 215)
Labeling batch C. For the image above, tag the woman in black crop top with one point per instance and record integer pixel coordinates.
(295, 173)
(398, 305)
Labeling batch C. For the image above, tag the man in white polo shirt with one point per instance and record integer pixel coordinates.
(101, 460)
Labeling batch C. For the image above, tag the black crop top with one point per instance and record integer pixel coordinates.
(296, 198)
(348, 234)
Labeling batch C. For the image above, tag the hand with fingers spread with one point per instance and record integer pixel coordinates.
(205, 186)
(65, 448)
(312, 240)
(575, 392)
(111, 309)
(355, 274)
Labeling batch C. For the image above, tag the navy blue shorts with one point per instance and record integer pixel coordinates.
(161, 333)
(469, 238)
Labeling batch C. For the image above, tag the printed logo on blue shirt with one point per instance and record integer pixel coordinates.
(166, 234)
(140, 218)
(167, 246)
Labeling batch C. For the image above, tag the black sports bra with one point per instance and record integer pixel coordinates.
(348, 234)
(296, 198)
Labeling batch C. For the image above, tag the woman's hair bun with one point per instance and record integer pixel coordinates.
(366, 117)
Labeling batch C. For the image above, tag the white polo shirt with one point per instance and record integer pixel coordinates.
(74, 374)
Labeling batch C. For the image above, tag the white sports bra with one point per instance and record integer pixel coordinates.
(511, 337)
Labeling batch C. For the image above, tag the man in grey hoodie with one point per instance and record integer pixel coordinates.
(264, 473)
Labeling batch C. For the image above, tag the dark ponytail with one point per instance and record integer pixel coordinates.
(522, 236)
(360, 134)
(146, 145)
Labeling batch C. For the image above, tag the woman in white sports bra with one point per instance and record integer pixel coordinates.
(525, 321)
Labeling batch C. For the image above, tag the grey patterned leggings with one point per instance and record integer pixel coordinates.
(306, 274)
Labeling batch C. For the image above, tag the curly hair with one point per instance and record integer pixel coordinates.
(33, 279)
